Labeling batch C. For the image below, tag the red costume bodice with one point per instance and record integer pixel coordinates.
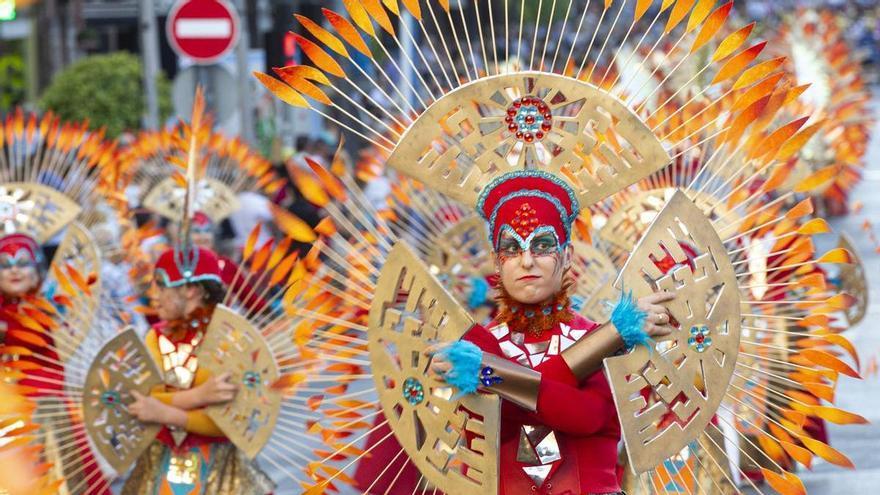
(581, 418)
(574, 432)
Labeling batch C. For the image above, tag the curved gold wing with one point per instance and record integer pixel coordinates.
(34, 209)
(633, 215)
(461, 142)
(233, 345)
(75, 267)
(854, 282)
(594, 281)
(688, 373)
(212, 197)
(411, 311)
(122, 365)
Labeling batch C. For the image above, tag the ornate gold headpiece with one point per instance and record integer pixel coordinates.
(47, 170)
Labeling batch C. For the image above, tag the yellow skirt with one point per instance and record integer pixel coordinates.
(215, 469)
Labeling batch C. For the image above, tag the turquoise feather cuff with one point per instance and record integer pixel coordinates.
(630, 322)
(466, 360)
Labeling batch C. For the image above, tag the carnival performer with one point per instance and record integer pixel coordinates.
(533, 340)
(527, 136)
(190, 454)
(21, 275)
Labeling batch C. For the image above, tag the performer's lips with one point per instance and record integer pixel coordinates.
(528, 277)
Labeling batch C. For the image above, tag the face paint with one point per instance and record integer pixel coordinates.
(542, 242)
(531, 270)
(18, 273)
(21, 259)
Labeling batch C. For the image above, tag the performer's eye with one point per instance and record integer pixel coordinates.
(509, 248)
(544, 245)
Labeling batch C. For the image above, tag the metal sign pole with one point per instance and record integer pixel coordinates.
(245, 104)
(150, 53)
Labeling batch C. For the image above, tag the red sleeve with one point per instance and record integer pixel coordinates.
(480, 337)
(564, 406)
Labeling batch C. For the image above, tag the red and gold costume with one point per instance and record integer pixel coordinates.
(198, 459)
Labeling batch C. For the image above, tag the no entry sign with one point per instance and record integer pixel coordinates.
(203, 30)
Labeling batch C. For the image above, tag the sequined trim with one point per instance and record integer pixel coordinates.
(524, 244)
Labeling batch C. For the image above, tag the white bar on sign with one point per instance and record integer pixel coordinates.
(203, 28)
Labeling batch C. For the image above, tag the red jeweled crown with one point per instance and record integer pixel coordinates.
(177, 267)
(526, 200)
(14, 244)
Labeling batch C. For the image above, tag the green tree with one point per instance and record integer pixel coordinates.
(107, 90)
(12, 84)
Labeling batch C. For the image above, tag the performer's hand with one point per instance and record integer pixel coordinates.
(146, 408)
(216, 390)
(657, 320)
(439, 365)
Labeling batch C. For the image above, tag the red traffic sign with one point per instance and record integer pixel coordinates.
(203, 30)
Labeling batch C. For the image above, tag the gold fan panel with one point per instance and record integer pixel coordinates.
(122, 365)
(78, 252)
(233, 345)
(594, 281)
(462, 142)
(853, 281)
(632, 217)
(689, 372)
(462, 252)
(34, 209)
(213, 198)
(410, 312)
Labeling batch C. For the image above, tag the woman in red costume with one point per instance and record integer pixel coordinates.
(559, 426)
(191, 455)
(21, 275)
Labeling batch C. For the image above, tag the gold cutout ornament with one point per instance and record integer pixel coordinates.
(232, 344)
(123, 364)
(458, 145)
(854, 282)
(689, 371)
(410, 311)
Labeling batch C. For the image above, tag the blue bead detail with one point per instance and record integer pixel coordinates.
(413, 391)
(699, 339)
(487, 371)
(251, 379)
(111, 398)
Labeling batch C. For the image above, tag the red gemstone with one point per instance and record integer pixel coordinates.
(508, 119)
(511, 112)
(539, 135)
(512, 127)
(530, 119)
(699, 338)
(546, 126)
(519, 135)
(548, 116)
(517, 104)
(529, 138)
